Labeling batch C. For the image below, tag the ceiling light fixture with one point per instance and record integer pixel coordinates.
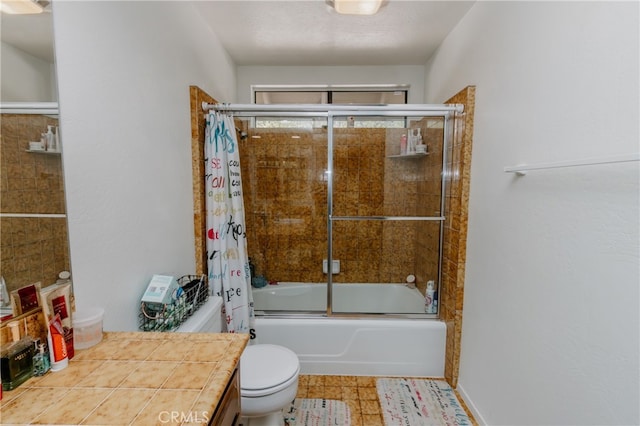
(20, 7)
(357, 7)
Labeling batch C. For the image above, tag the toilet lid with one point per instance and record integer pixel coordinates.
(266, 366)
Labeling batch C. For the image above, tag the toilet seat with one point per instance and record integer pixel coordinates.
(267, 369)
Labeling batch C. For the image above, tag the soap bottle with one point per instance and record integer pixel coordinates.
(429, 306)
(51, 143)
(41, 363)
(403, 145)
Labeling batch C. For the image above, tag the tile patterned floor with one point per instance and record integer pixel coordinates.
(358, 392)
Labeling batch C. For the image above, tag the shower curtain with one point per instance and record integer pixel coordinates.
(227, 259)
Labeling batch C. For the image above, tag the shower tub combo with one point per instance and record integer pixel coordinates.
(352, 345)
(309, 188)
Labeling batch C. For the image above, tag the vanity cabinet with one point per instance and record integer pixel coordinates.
(203, 383)
(228, 411)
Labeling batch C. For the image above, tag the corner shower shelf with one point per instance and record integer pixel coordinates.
(42, 152)
(416, 155)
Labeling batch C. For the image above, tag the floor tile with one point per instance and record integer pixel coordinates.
(358, 392)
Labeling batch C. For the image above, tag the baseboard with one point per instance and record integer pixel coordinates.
(470, 405)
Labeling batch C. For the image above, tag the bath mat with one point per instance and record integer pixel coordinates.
(413, 402)
(317, 412)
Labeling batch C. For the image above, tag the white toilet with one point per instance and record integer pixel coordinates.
(268, 373)
(268, 382)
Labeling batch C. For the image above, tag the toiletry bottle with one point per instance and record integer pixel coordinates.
(435, 301)
(429, 307)
(4, 294)
(403, 144)
(411, 145)
(50, 139)
(56, 139)
(41, 363)
(43, 141)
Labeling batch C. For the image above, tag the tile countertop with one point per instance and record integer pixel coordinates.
(131, 378)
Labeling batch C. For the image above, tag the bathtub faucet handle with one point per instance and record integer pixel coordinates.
(411, 281)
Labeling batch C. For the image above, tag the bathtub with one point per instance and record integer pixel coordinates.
(352, 346)
(352, 298)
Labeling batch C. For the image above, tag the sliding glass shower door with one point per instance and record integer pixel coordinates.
(385, 215)
(345, 210)
(284, 164)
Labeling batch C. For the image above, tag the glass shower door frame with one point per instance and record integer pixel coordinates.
(449, 117)
(446, 111)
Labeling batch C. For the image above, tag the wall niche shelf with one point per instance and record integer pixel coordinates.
(416, 155)
(43, 152)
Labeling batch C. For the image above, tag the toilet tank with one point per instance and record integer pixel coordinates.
(207, 319)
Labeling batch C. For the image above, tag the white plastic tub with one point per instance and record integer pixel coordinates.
(355, 298)
(87, 327)
(360, 347)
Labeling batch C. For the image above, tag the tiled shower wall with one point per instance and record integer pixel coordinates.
(32, 249)
(285, 189)
(458, 170)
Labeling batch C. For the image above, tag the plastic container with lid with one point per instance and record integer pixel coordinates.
(87, 327)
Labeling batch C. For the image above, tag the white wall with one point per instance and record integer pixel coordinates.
(25, 78)
(551, 325)
(124, 73)
(401, 74)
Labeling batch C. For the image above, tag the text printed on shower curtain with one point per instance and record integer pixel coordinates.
(227, 259)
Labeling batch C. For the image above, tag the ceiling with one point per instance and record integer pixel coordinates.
(309, 32)
(295, 32)
(30, 33)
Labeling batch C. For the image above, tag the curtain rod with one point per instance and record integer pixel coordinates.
(330, 108)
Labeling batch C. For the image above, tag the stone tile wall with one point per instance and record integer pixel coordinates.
(286, 205)
(458, 170)
(32, 249)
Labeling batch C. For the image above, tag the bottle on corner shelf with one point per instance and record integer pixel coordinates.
(51, 143)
